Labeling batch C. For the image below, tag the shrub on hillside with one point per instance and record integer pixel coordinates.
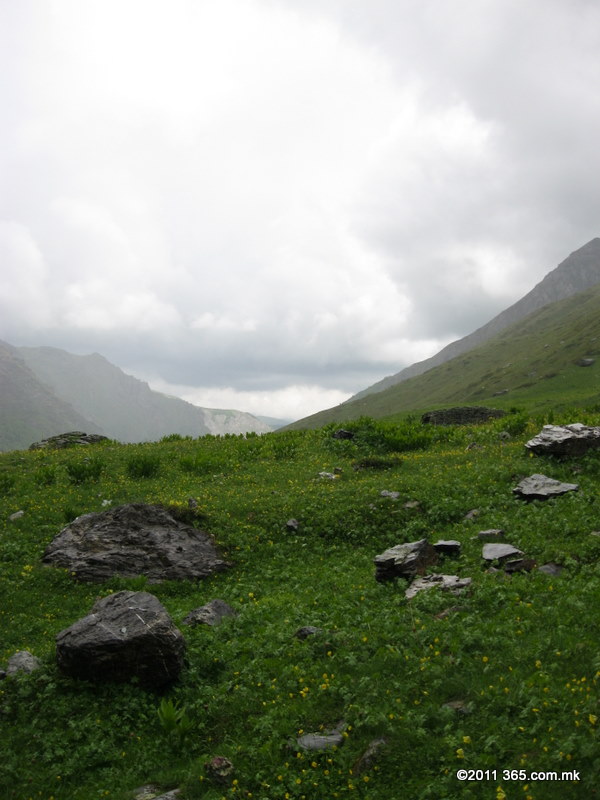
(89, 469)
(143, 465)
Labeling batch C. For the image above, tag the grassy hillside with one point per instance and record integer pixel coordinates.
(532, 364)
(516, 657)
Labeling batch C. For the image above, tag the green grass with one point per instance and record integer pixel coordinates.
(520, 652)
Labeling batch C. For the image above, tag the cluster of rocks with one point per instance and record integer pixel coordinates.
(70, 439)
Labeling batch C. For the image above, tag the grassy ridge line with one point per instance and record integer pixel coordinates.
(534, 362)
(521, 653)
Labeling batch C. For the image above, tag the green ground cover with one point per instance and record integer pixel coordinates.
(519, 653)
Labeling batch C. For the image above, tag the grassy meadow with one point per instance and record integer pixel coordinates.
(502, 679)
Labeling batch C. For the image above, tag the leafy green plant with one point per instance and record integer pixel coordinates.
(173, 719)
(143, 465)
(7, 482)
(89, 469)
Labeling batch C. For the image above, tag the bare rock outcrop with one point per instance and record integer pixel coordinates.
(130, 540)
(565, 440)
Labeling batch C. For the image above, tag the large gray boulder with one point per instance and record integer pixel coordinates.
(71, 439)
(126, 635)
(540, 487)
(130, 540)
(404, 560)
(565, 440)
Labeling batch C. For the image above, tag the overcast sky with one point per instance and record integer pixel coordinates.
(271, 204)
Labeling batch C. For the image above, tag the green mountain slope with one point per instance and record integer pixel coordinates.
(532, 363)
(580, 271)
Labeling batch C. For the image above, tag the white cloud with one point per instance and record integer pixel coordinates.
(268, 196)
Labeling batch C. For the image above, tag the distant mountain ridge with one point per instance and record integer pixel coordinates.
(45, 391)
(580, 271)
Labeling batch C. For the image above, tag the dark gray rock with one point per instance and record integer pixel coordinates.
(552, 569)
(565, 440)
(519, 565)
(71, 439)
(153, 792)
(463, 415)
(447, 547)
(586, 362)
(306, 631)
(498, 552)
(450, 583)
(342, 434)
(212, 613)
(127, 635)
(130, 540)
(404, 560)
(540, 487)
(22, 661)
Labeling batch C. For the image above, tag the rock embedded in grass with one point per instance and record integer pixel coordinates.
(565, 440)
(404, 560)
(447, 547)
(323, 741)
(540, 487)
(212, 613)
(22, 661)
(131, 540)
(127, 635)
(451, 583)
(499, 551)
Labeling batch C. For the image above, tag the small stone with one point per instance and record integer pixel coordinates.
(292, 524)
(498, 552)
(551, 569)
(22, 661)
(451, 583)
(322, 741)
(586, 362)
(404, 560)
(328, 475)
(474, 512)
(448, 547)
(342, 434)
(412, 504)
(17, 515)
(492, 533)
(153, 792)
(212, 614)
(519, 565)
(540, 487)
(460, 706)
(306, 631)
(392, 495)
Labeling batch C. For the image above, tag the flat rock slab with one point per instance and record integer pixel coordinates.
(499, 551)
(447, 547)
(451, 583)
(126, 635)
(540, 487)
(212, 613)
(492, 533)
(130, 540)
(404, 560)
(565, 440)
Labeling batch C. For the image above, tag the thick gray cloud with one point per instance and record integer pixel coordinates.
(270, 204)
